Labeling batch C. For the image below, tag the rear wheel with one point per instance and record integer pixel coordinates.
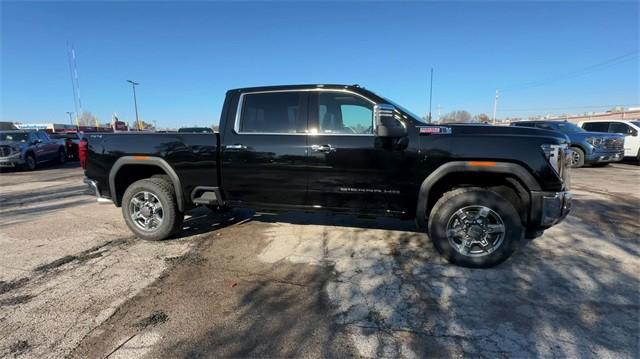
(474, 227)
(577, 157)
(149, 208)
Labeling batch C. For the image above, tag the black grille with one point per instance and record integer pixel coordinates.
(614, 143)
(5, 151)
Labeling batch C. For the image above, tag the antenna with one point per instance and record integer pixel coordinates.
(430, 94)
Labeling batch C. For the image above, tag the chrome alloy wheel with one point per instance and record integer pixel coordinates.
(146, 211)
(475, 231)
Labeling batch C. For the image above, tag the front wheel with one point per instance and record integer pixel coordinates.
(474, 227)
(577, 157)
(149, 208)
(62, 156)
(30, 162)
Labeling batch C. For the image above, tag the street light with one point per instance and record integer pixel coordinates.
(135, 101)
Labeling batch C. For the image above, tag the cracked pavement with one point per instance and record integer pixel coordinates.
(76, 283)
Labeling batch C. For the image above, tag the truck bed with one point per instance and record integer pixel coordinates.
(193, 157)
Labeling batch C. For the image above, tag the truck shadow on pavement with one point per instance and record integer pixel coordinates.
(338, 286)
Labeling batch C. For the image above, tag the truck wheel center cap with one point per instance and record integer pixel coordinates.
(146, 211)
(475, 232)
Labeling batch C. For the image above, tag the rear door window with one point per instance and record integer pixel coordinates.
(273, 113)
(619, 127)
(596, 126)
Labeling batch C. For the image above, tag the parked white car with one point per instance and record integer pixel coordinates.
(629, 128)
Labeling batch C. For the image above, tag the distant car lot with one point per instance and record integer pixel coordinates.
(74, 282)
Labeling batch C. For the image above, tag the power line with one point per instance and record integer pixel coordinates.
(572, 74)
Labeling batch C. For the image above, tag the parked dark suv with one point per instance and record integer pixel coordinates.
(27, 149)
(594, 148)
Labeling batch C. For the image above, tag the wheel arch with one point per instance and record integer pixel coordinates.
(511, 175)
(141, 167)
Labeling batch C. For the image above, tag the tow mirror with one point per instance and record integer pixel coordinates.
(387, 125)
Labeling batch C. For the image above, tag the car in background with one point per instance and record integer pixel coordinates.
(628, 128)
(594, 148)
(27, 149)
(70, 141)
(195, 130)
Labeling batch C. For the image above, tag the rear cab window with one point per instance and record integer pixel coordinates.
(596, 126)
(273, 113)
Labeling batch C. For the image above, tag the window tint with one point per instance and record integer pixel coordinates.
(619, 127)
(277, 112)
(596, 126)
(344, 114)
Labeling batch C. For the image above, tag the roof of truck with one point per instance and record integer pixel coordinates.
(295, 87)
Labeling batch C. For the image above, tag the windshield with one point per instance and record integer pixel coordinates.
(14, 136)
(568, 127)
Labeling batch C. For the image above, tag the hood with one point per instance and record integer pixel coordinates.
(14, 144)
(586, 134)
(489, 130)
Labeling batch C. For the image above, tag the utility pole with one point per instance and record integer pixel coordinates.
(135, 101)
(439, 107)
(495, 105)
(430, 94)
(70, 119)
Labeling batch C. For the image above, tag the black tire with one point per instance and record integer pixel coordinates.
(577, 157)
(165, 193)
(62, 156)
(458, 199)
(165, 181)
(30, 162)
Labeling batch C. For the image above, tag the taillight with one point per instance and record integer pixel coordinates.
(82, 153)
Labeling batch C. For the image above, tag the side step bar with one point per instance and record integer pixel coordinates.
(203, 195)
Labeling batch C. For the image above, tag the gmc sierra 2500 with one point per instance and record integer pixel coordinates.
(476, 190)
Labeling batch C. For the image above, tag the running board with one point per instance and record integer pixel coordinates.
(203, 195)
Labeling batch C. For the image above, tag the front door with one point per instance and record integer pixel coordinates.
(630, 137)
(264, 152)
(348, 168)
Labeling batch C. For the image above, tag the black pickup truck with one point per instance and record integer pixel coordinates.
(476, 190)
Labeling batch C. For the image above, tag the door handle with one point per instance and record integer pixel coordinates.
(235, 147)
(323, 148)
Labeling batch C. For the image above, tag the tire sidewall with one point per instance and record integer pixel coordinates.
(439, 220)
(30, 166)
(580, 153)
(168, 207)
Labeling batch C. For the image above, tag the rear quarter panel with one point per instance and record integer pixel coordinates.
(193, 157)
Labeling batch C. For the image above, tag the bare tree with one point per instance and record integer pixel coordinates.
(482, 118)
(456, 116)
(87, 119)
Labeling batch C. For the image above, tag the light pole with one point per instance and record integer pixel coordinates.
(135, 101)
(70, 119)
(495, 105)
(430, 94)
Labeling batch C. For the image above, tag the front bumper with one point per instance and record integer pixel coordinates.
(13, 160)
(94, 187)
(604, 156)
(548, 209)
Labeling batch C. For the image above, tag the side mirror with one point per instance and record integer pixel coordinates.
(37, 141)
(386, 123)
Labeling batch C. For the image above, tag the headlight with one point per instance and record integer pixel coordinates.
(595, 141)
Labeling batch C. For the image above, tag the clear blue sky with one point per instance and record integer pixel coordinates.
(186, 55)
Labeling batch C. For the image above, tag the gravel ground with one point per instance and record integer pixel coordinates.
(74, 282)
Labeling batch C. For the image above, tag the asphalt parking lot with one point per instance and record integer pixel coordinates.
(75, 282)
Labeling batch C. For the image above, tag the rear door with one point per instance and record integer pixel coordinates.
(264, 149)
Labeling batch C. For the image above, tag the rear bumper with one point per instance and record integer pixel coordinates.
(604, 156)
(548, 209)
(94, 187)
